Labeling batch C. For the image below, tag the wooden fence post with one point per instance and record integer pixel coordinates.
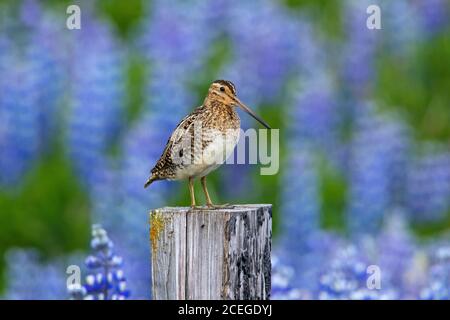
(211, 254)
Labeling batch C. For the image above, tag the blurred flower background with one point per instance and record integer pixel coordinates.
(365, 135)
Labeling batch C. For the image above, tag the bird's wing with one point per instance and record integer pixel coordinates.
(184, 127)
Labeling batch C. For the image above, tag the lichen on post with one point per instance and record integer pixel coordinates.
(211, 253)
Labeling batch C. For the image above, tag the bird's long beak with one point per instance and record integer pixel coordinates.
(250, 112)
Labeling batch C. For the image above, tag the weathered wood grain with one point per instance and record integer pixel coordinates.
(211, 254)
(168, 240)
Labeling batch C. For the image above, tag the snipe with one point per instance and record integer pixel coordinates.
(203, 140)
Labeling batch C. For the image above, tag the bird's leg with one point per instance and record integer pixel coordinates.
(191, 191)
(209, 203)
(205, 190)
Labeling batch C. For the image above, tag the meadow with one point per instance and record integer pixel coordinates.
(364, 123)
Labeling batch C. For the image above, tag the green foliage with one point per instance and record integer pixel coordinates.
(327, 12)
(125, 14)
(49, 211)
(429, 230)
(333, 192)
(135, 88)
(419, 87)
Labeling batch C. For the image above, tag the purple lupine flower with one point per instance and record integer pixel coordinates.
(31, 278)
(31, 78)
(43, 54)
(315, 251)
(315, 114)
(175, 39)
(118, 195)
(433, 15)
(377, 162)
(97, 99)
(106, 280)
(313, 53)
(345, 277)
(395, 254)
(236, 181)
(30, 13)
(401, 17)
(266, 51)
(302, 244)
(301, 204)
(428, 185)
(369, 179)
(19, 135)
(438, 287)
(142, 147)
(359, 49)
(282, 282)
(175, 42)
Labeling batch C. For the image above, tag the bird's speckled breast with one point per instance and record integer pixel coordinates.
(217, 148)
(220, 134)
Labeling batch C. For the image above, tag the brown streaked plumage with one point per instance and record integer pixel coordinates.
(203, 140)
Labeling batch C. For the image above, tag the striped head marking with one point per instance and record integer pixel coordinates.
(224, 92)
(224, 86)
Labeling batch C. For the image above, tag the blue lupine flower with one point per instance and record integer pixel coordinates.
(401, 17)
(97, 99)
(106, 280)
(174, 42)
(19, 133)
(266, 51)
(176, 37)
(315, 113)
(377, 161)
(31, 278)
(305, 254)
(301, 206)
(433, 15)
(347, 271)
(136, 201)
(359, 49)
(428, 184)
(267, 54)
(282, 282)
(439, 276)
(345, 277)
(46, 63)
(313, 54)
(32, 79)
(395, 253)
(5, 50)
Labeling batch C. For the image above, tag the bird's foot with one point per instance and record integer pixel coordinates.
(219, 206)
(197, 207)
(213, 207)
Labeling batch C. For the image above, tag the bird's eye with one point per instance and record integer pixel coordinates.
(222, 89)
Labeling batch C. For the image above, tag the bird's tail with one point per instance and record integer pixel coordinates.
(150, 180)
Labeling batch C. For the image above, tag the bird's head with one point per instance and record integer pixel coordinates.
(224, 92)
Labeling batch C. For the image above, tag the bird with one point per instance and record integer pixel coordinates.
(203, 140)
